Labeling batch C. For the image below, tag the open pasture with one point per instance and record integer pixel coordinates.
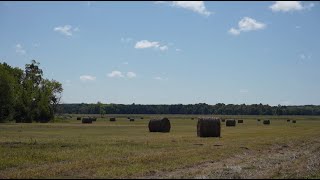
(126, 149)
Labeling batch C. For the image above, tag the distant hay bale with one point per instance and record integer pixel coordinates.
(230, 122)
(86, 120)
(288, 120)
(258, 119)
(192, 118)
(78, 118)
(141, 118)
(223, 120)
(94, 119)
(266, 122)
(113, 119)
(294, 121)
(128, 117)
(240, 121)
(131, 119)
(159, 125)
(209, 127)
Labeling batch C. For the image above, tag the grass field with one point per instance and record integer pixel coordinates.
(124, 149)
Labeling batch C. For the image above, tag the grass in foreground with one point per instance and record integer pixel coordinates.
(125, 149)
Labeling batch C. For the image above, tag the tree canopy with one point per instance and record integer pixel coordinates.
(25, 96)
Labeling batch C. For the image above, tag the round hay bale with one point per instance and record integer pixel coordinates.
(259, 120)
(94, 119)
(141, 118)
(192, 118)
(78, 118)
(294, 121)
(266, 122)
(223, 120)
(86, 120)
(131, 119)
(159, 125)
(113, 119)
(240, 121)
(128, 117)
(209, 127)
(230, 122)
(288, 120)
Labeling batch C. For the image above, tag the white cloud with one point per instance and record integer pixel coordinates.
(163, 48)
(20, 49)
(131, 75)
(146, 44)
(178, 50)
(247, 24)
(115, 74)
(287, 6)
(143, 44)
(87, 78)
(125, 63)
(195, 6)
(66, 30)
(234, 31)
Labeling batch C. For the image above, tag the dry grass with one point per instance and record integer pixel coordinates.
(124, 149)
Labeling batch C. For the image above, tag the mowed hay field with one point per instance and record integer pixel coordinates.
(124, 149)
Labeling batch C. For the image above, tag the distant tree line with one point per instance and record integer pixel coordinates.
(25, 96)
(201, 108)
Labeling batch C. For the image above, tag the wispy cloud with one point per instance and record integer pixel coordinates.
(85, 78)
(160, 78)
(125, 63)
(119, 74)
(195, 6)
(144, 44)
(247, 24)
(115, 74)
(131, 75)
(289, 6)
(66, 30)
(20, 49)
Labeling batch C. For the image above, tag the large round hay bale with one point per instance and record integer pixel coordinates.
(128, 117)
(141, 118)
(259, 120)
(266, 122)
(78, 118)
(86, 120)
(208, 127)
(131, 119)
(230, 122)
(113, 119)
(294, 121)
(159, 125)
(240, 121)
(288, 120)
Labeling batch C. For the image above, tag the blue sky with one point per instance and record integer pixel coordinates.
(169, 52)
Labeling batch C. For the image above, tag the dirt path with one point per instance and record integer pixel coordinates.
(279, 161)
